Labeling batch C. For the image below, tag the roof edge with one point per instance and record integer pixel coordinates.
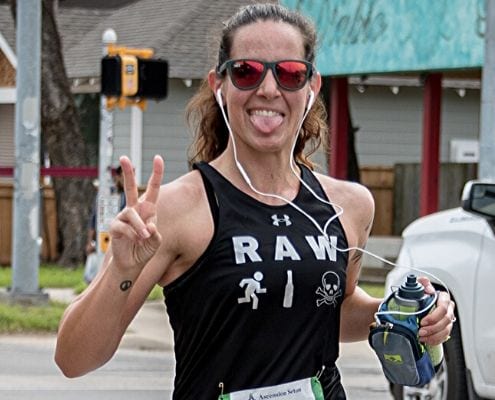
(7, 50)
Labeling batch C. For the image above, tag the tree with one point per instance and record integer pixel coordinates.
(62, 139)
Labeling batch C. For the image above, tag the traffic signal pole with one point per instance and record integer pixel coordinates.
(128, 77)
(105, 200)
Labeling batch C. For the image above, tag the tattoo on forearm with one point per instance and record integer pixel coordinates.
(357, 256)
(125, 285)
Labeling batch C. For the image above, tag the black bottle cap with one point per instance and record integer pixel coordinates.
(411, 288)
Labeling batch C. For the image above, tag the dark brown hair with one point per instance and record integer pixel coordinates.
(203, 114)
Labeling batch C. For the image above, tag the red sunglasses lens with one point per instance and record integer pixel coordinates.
(246, 73)
(291, 74)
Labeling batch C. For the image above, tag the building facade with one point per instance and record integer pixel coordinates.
(386, 108)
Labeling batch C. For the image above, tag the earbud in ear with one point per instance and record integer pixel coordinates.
(219, 97)
(311, 99)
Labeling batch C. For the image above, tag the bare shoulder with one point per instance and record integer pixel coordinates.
(356, 202)
(182, 192)
(185, 223)
(346, 193)
(182, 203)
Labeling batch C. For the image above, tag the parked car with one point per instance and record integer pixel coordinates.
(457, 247)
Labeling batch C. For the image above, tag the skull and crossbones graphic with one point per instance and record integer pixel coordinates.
(329, 290)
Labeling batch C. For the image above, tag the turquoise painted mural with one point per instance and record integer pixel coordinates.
(376, 36)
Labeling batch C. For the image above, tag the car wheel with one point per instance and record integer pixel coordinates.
(450, 381)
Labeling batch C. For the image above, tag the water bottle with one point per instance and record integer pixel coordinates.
(409, 298)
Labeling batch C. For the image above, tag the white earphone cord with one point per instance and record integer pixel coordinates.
(339, 210)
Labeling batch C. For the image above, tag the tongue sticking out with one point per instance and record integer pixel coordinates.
(266, 124)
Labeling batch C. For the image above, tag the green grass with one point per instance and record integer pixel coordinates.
(50, 276)
(374, 289)
(22, 319)
(45, 318)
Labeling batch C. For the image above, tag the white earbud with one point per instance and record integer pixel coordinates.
(219, 97)
(310, 100)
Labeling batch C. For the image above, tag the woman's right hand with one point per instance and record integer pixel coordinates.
(134, 236)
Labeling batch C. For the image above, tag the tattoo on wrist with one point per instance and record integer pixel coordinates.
(125, 285)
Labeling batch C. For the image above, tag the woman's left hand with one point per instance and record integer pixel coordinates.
(435, 327)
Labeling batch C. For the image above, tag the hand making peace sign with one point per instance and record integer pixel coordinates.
(134, 235)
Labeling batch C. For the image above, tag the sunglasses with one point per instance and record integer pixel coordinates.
(248, 74)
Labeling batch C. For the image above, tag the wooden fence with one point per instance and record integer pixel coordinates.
(48, 224)
(380, 181)
(407, 188)
(396, 192)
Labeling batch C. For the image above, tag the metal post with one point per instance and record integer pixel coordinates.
(430, 163)
(486, 166)
(26, 227)
(105, 161)
(339, 124)
(136, 141)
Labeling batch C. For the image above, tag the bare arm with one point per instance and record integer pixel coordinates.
(95, 322)
(357, 314)
(93, 325)
(358, 307)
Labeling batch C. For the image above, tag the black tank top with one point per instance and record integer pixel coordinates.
(262, 305)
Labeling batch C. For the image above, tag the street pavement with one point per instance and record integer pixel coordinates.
(143, 367)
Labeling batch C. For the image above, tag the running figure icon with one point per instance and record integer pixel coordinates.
(253, 287)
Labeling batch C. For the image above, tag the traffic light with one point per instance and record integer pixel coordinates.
(129, 74)
(133, 74)
(153, 78)
(111, 76)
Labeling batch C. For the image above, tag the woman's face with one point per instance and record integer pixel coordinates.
(265, 119)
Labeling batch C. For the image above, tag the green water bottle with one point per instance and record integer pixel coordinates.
(409, 298)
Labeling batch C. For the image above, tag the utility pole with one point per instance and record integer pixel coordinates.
(486, 166)
(26, 217)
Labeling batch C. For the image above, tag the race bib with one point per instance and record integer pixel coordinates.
(304, 389)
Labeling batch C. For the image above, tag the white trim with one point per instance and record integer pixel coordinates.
(412, 81)
(7, 50)
(7, 95)
(136, 142)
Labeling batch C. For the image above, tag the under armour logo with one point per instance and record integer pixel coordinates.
(277, 221)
